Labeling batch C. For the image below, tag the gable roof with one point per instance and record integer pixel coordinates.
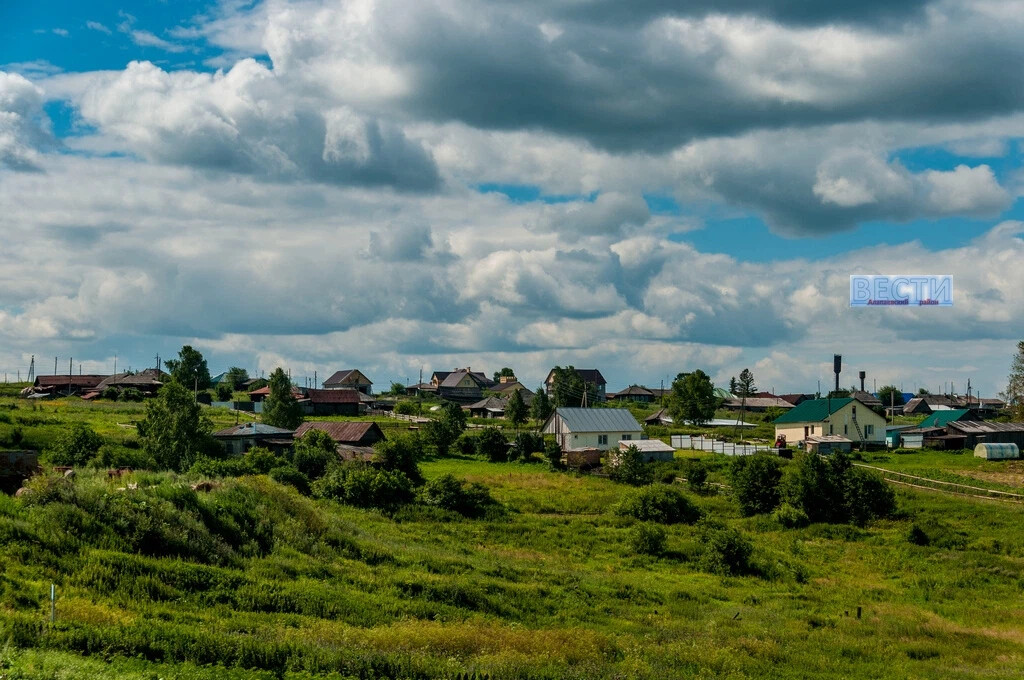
(943, 418)
(509, 387)
(866, 398)
(333, 396)
(455, 377)
(340, 376)
(589, 375)
(490, 403)
(974, 427)
(65, 380)
(597, 419)
(633, 391)
(757, 402)
(813, 410)
(342, 433)
(252, 429)
(149, 377)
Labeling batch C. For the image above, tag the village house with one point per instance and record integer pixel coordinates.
(147, 381)
(489, 407)
(844, 416)
(462, 385)
(635, 393)
(506, 385)
(651, 450)
(592, 428)
(349, 379)
(590, 376)
(333, 402)
(240, 438)
(354, 440)
(66, 384)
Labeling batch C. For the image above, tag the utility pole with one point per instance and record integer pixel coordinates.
(115, 363)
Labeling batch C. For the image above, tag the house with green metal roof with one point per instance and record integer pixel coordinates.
(845, 416)
(943, 418)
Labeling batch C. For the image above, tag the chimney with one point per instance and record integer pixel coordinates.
(863, 375)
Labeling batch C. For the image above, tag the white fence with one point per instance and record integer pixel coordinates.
(698, 443)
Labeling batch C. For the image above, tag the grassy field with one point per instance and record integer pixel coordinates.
(252, 580)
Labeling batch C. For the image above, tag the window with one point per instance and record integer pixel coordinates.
(846, 429)
(626, 437)
(602, 440)
(869, 430)
(812, 429)
(830, 428)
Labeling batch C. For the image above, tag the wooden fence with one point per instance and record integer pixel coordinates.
(955, 488)
(699, 443)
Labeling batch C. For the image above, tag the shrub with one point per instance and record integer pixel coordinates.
(221, 467)
(262, 460)
(553, 452)
(725, 550)
(17, 436)
(492, 445)
(647, 539)
(400, 453)
(918, 536)
(465, 445)
(661, 504)
(449, 493)
(76, 445)
(755, 481)
(289, 474)
(867, 496)
(525, 445)
(203, 398)
(937, 534)
(407, 408)
(696, 474)
(364, 486)
(113, 456)
(630, 467)
(314, 452)
(111, 393)
(831, 490)
(790, 517)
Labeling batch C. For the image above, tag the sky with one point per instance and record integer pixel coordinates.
(403, 187)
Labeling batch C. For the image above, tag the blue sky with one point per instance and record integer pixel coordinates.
(321, 184)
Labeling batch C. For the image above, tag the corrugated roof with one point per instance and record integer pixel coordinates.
(251, 429)
(970, 427)
(757, 402)
(340, 376)
(598, 419)
(65, 380)
(494, 403)
(351, 433)
(812, 411)
(943, 418)
(333, 396)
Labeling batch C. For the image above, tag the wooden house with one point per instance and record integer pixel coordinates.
(844, 416)
(592, 428)
(349, 379)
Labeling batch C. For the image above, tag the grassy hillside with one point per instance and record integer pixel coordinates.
(252, 580)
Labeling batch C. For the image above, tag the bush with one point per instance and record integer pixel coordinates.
(449, 493)
(76, 445)
(725, 551)
(364, 486)
(831, 490)
(314, 452)
(492, 445)
(407, 408)
(937, 534)
(465, 445)
(401, 453)
(553, 452)
(289, 474)
(131, 394)
(525, 445)
(203, 398)
(630, 468)
(111, 393)
(647, 539)
(755, 481)
(790, 517)
(221, 467)
(661, 504)
(113, 456)
(696, 474)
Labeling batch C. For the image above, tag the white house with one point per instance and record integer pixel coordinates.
(592, 428)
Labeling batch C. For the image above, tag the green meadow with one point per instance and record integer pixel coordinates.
(250, 579)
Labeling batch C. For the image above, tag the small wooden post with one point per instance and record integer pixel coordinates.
(858, 613)
(53, 603)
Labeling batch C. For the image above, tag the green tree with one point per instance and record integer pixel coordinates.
(400, 453)
(236, 377)
(492, 445)
(540, 407)
(504, 373)
(733, 386)
(746, 384)
(189, 369)
(569, 388)
(314, 452)
(890, 395)
(693, 398)
(1014, 394)
(755, 482)
(924, 391)
(442, 432)
(397, 389)
(515, 410)
(280, 408)
(224, 392)
(175, 432)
